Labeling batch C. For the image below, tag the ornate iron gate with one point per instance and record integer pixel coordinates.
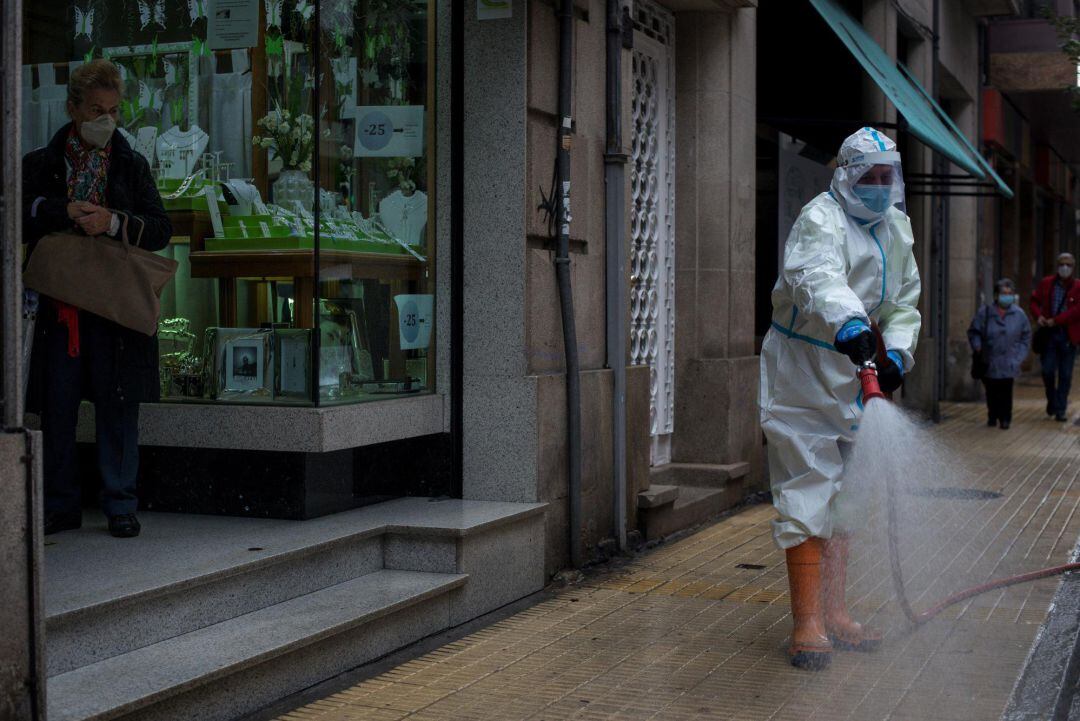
(652, 232)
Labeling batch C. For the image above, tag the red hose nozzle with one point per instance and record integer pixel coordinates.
(869, 380)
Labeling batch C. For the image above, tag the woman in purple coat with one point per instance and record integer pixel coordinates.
(1001, 334)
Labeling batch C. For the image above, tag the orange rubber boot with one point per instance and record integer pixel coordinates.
(844, 631)
(810, 646)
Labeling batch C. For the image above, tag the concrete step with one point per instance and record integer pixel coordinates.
(687, 494)
(239, 665)
(710, 475)
(122, 623)
(106, 596)
(657, 495)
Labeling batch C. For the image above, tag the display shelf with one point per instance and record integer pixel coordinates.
(298, 264)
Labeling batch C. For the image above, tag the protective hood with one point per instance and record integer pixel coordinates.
(869, 199)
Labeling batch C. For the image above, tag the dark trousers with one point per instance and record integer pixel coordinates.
(1057, 370)
(117, 439)
(999, 398)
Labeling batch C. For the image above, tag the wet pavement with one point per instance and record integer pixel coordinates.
(696, 628)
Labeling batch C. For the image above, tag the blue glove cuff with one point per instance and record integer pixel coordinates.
(897, 359)
(852, 328)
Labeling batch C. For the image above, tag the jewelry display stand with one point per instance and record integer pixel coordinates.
(179, 151)
(405, 216)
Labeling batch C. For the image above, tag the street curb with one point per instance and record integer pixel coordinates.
(1048, 682)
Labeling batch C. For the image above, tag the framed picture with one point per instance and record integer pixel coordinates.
(244, 364)
(292, 363)
(242, 367)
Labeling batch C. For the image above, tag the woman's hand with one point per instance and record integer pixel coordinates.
(94, 220)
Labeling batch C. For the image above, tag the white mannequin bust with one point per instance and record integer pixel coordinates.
(180, 150)
(405, 216)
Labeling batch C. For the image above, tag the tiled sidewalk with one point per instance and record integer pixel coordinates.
(696, 629)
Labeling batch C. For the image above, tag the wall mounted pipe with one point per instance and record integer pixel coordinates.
(615, 250)
(562, 275)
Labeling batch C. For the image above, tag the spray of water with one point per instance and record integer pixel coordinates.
(900, 465)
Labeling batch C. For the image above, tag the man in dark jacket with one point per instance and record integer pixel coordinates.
(82, 181)
(1055, 304)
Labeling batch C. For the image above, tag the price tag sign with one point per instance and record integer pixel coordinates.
(389, 131)
(414, 320)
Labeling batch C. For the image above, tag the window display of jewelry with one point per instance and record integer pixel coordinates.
(179, 150)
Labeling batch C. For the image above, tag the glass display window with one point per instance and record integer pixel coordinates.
(292, 145)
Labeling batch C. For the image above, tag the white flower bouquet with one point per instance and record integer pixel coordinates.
(288, 136)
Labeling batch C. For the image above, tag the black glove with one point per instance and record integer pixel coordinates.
(860, 345)
(889, 375)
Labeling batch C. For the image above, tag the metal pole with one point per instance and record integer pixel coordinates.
(615, 249)
(11, 244)
(562, 274)
(22, 630)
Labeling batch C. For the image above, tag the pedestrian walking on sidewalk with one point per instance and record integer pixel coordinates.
(82, 180)
(847, 264)
(1000, 337)
(1055, 305)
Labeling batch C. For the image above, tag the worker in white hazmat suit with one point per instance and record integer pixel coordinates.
(848, 264)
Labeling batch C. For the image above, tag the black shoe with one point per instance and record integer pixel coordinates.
(1004, 425)
(991, 422)
(56, 522)
(1049, 408)
(1061, 418)
(124, 525)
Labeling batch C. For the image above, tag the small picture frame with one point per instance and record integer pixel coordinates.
(292, 363)
(245, 360)
(242, 363)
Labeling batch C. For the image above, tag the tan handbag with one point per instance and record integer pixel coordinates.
(114, 279)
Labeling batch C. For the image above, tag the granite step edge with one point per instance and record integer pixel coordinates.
(118, 685)
(526, 511)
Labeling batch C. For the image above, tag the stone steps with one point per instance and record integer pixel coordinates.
(160, 680)
(117, 625)
(213, 618)
(682, 495)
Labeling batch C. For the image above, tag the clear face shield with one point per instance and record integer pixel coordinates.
(872, 182)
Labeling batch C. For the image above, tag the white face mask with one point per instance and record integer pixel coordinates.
(99, 131)
(1065, 270)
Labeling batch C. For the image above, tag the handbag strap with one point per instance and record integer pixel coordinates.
(124, 228)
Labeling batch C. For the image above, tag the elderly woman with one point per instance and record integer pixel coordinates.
(81, 182)
(1001, 334)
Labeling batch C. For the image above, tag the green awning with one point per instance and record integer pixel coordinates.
(1002, 186)
(926, 120)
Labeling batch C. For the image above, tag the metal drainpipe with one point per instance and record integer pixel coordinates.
(614, 247)
(562, 275)
(939, 218)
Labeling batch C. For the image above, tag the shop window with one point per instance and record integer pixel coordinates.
(292, 143)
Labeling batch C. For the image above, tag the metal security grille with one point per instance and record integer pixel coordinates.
(652, 268)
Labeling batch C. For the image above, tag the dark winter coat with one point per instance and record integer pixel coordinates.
(1004, 340)
(121, 365)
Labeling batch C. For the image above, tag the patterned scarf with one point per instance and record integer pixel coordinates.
(87, 180)
(89, 170)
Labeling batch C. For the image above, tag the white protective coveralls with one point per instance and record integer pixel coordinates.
(842, 261)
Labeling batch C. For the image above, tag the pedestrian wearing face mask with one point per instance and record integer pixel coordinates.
(1055, 305)
(85, 179)
(1000, 335)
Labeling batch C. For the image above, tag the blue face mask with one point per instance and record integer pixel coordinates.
(874, 197)
(1006, 300)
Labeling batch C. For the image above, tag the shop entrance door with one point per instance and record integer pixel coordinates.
(652, 232)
